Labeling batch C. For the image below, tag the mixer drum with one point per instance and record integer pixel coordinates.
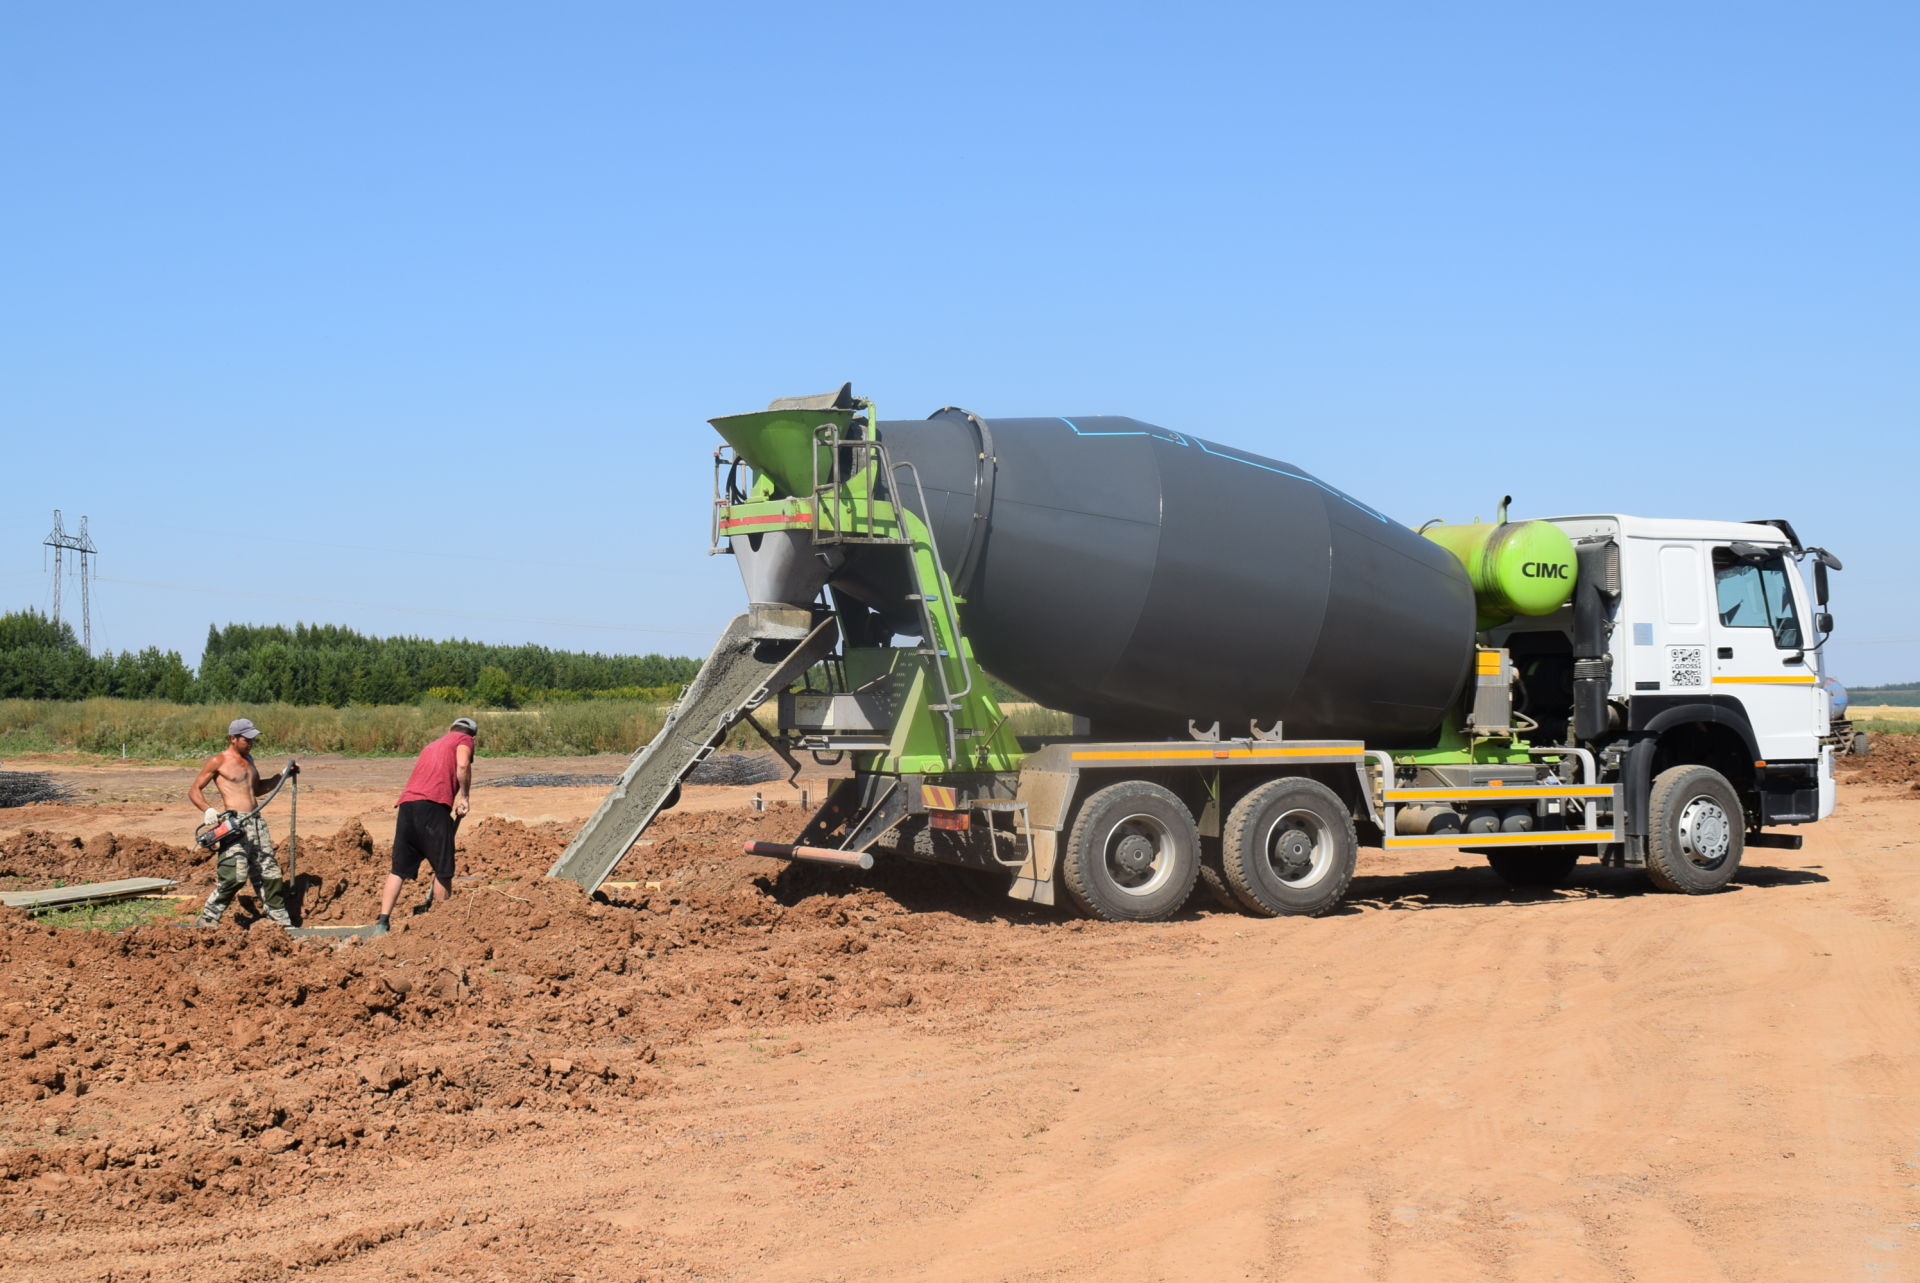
(1140, 577)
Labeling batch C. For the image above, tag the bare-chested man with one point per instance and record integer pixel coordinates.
(251, 852)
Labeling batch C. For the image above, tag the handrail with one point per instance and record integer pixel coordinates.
(933, 549)
(879, 464)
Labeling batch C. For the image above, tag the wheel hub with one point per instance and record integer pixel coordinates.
(1134, 854)
(1706, 835)
(1293, 853)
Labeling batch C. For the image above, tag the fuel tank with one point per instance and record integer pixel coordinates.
(1140, 577)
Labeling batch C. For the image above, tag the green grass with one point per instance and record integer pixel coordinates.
(147, 728)
(156, 729)
(1033, 719)
(1888, 726)
(114, 915)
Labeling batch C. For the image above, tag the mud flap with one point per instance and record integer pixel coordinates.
(1034, 879)
(745, 668)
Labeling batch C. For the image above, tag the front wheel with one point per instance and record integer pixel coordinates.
(1696, 830)
(1289, 848)
(1133, 854)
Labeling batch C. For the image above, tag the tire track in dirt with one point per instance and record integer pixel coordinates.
(1248, 1164)
(1264, 1034)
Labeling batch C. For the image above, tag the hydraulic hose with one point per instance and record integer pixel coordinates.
(259, 806)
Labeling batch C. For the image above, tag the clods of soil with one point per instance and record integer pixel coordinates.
(520, 996)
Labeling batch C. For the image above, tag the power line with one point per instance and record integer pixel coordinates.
(60, 541)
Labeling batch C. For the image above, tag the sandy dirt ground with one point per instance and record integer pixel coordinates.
(734, 1070)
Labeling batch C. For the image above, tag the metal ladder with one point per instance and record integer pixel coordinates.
(883, 468)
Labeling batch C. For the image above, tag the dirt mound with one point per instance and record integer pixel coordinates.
(36, 858)
(1893, 763)
(245, 1061)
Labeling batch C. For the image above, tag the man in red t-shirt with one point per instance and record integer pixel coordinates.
(431, 807)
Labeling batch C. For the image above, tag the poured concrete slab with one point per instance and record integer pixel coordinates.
(364, 932)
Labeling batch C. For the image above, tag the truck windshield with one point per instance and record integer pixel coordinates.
(1757, 595)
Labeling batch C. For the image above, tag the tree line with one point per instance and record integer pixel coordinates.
(1899, 694)
(321, 665)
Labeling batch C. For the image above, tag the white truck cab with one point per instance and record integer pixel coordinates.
(1704, 637)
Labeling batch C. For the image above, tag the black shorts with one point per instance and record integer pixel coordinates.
(424, 831)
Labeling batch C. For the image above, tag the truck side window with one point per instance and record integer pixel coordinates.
(1751, 595)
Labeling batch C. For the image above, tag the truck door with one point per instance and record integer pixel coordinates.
(1758, 634)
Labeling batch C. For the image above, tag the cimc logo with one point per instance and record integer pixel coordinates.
(1545, 569)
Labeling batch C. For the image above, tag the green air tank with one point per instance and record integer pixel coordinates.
(1516, 567)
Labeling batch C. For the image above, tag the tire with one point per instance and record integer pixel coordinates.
(1213, 887)
(1289, 849)
(1132, 855)
(1696, 830)
(1545, 870)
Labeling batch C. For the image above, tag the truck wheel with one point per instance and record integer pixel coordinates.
(1289, 848)
(1695, 830)
(1132, 855)
(1548, 869)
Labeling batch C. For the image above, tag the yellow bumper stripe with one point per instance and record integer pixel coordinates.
(1499, 794)
(1210, 754)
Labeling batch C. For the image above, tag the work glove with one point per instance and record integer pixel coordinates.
(213, 815)
(293, 767)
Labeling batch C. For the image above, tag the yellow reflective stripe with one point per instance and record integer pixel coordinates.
(1782, 680)
(940, 797)
(1494, 794)
(1214, 754)
(1570, 837)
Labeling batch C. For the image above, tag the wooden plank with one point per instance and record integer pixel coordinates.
(84, 893)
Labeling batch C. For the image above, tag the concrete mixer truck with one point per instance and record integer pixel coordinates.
(1263, 672)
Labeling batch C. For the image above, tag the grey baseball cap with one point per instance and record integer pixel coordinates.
(241, 726)
(466, 724)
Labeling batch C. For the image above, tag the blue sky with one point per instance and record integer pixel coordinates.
(409, 317)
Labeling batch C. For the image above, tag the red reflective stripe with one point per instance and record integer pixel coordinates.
(772, 520)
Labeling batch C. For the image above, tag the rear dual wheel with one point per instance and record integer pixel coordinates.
(1132, 855)
(1289, 849)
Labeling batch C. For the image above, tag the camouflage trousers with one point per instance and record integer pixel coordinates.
(249, 859)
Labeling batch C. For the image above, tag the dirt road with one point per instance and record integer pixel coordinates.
(735, 1071)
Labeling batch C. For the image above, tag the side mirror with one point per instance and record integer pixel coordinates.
(1823, 623)
(1820, 580)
